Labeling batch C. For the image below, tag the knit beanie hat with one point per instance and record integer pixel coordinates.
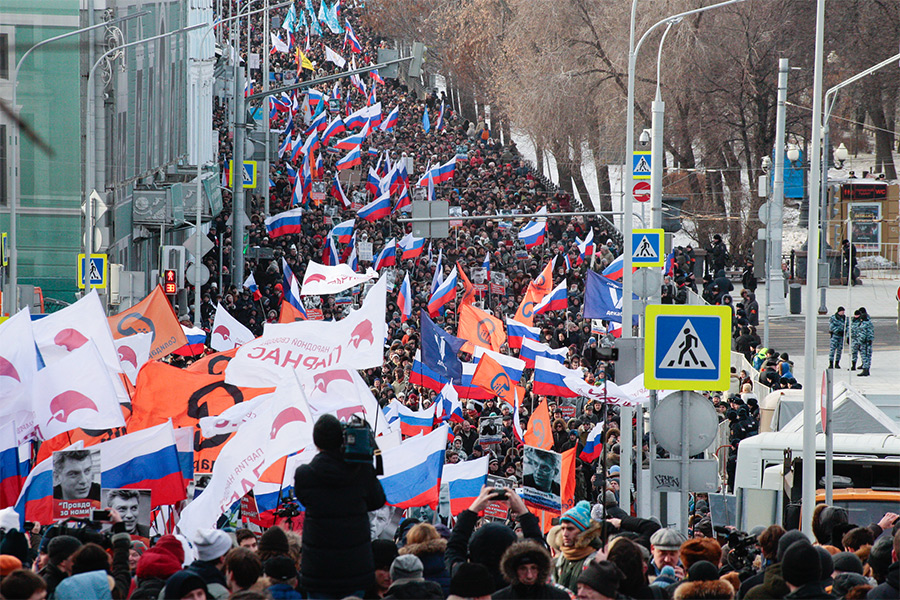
(161, 561)
(384, 552)
(794, 535)
(406, 567)
(472, 580)
(211, 544)
(62, 547)
(274, 541)
(801, 564)
(8, 564)
(603, 577)
(847, 562)
(489, 542)
(183, 583)
(579, 515)
(327, 433)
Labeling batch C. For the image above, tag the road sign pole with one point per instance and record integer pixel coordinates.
(685, 463)
(237, 179)
(655, 497)
(829, 437)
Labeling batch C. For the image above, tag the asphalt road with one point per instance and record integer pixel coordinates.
(787, 334)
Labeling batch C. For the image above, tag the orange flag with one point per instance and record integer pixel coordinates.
(568, 479)
(153, 315)
(165, 392)
(525, 312)
(468, 295)
(289, 314)
(491, 376)
(538, 433)
(213, 364)
(479, 328)
(544, 282)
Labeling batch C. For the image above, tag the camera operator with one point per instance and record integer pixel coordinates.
(338, 495)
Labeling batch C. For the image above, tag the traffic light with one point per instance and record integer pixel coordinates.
(170, 282)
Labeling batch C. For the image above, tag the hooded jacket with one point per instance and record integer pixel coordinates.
(431, 553)
(773, 585)
(337, 547)
(516, 589)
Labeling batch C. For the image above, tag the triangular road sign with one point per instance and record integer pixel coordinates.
(687, 351)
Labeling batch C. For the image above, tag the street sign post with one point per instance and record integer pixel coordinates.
(641, 165)
(648, 247)
(687, 347)
(97, 270)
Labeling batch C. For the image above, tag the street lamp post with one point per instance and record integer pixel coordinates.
(627, 183)
(13, 303)
(90, 145)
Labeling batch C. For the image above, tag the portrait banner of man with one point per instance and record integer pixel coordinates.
(134, 508)
(76, 483)
(541, 475)
(490, 430)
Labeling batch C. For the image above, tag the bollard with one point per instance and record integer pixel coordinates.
(795, 299)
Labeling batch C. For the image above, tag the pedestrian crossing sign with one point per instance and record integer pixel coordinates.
(97, 270)
(641, 165)
(248, 173)
(647, 248)
(687, 347)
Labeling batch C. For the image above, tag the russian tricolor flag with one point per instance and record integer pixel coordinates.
(145, 460)
(378, 208)
(516, 332)
(549, 378)
(447, 405)
(351, 37)
(353, 159)
(412, 470)
(338, 192)
(196, 342)
(35, 502)
(352, 141)
(531, 349)
(404, 202)
(422, 375)
(387, 257)
(464, 481)
(404, 299)
(184, 444)
(466, 389)
(557, 299)
(357, 118)
(585, 246)
(335, 127)
(291, 288)
(15, 462)
(414, 422)
(344, 231)
(290, 221)
(391, 121)
(594, 446)
(443, 294)
(511, 365)
(616, 269)
(533, 234)
(411, 246)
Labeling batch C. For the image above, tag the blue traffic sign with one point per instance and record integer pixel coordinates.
(647, 247)
(640, 165)
(687, 347)
(96, 270)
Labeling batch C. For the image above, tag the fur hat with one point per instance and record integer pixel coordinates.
(718, 589)
(698, 549)
(525, 553)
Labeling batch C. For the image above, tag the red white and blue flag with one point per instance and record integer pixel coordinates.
(335, 127)
(290, 221)
(404, 299)
(196, 342)
(338, 192)
(15, 462)
(387, 257)
(353, 159)
(511, 365)
(516, 332)
(439, 173)
(464, 481)
(532, 349)
(344, 231)
(533, 234)
(350, 37)
(557, 299)
(291, 288)
(391, 121)
(593, 448)
(411, 246)
(447, 405)
(250, 284)
(422, 374)
(616, 269)
(377, 209)
(415, 422)
(440, 123)
(549, 378)
(404, 203)
(412, 470)
(35, 502)
(444, 293)
(585, 246)
(353, 141)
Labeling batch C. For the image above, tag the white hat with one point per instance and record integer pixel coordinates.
(212, 543)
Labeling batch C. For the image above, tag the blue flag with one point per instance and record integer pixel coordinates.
(439, 350)
(603, 299)
(426, 122)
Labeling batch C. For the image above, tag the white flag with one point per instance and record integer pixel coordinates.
(334, 57)
(279, 45)
(342, 393)
(356, 342)
(18, 365)
(232, 417)
(134, 351)
(227, 332)
(322, 279)
(284, 425)
(75, 391)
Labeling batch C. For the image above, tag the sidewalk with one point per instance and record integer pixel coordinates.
(880, 300)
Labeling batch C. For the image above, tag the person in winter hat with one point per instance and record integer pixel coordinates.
(212, 545)
(578, 537)
(801, 568)
(156, 565)
(526, 566)
(407, 580)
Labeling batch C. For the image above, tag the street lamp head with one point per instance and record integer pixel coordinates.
(840, 155)
(793, 153)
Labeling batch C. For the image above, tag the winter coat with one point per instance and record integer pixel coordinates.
(282, 591)
(337, 547)
(891, 586)
(415, 590)
(565, 571)
(773, 585)
(52, 576)
(156, 565)
(516, 589)
(216, 585)
(862, 330)
(837, 324)
(93, 584)
(431, 553)
(811, 590)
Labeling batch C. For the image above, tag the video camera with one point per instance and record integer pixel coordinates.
(359, 444)
(743, 548)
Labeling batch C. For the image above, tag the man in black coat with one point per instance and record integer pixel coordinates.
(337, 495)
